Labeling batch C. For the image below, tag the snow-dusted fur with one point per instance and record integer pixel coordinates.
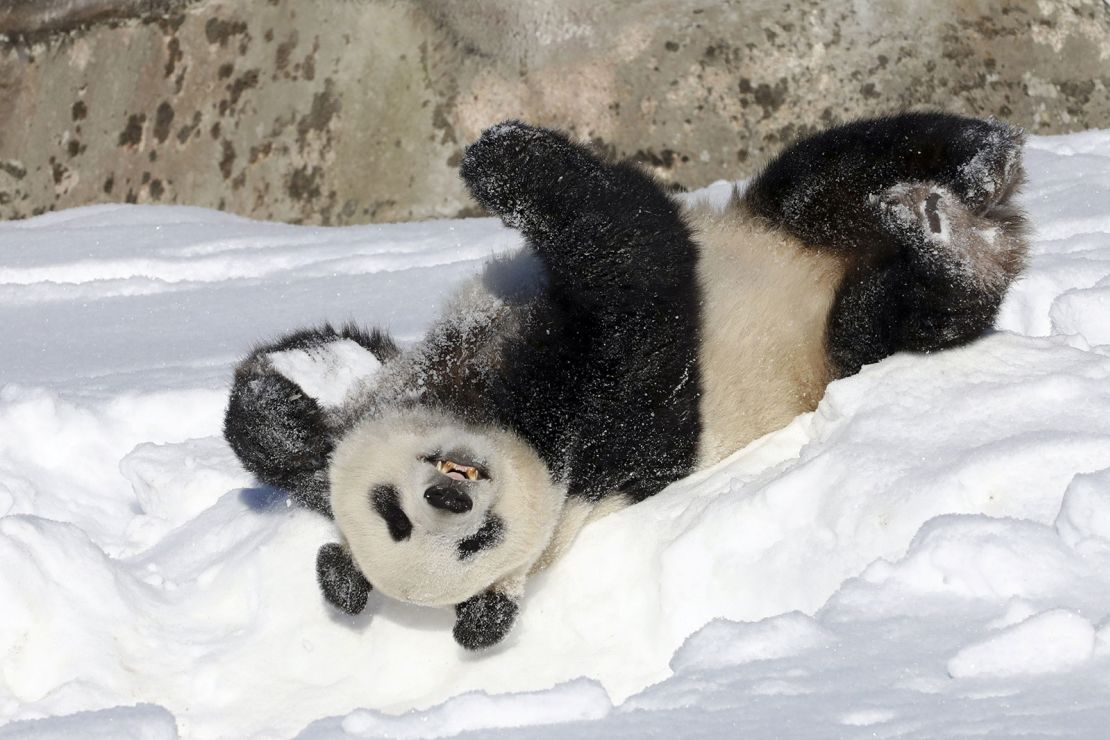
(633, 341)
(406, 552)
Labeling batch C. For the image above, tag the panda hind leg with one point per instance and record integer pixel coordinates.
(951, 266)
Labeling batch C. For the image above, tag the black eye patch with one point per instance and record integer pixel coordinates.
(387, 502)
(488, 535)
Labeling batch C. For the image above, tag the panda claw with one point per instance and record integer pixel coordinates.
(341, 582)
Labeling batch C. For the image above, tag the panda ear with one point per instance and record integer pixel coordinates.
(483, 620)
(341, 582)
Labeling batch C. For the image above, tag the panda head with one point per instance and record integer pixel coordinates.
(434, 510)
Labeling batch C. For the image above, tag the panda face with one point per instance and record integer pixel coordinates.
(435, 511)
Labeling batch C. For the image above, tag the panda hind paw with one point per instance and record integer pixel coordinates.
(917, 208)
(944, 238)
(994, 172)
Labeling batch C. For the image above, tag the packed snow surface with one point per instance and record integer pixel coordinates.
(926, 554)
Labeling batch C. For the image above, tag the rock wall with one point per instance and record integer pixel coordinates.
(348, 111)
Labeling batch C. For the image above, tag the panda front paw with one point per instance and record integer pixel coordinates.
(483, 620)
(516, 171)
(340, 580)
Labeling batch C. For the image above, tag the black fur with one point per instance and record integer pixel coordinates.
(605, 375)
(340, 580)
(484, 620)
(279, 434)
(488, 535)
(832, 190)
(387, 503)
(375, 341)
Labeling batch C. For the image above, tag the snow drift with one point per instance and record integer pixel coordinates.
(927, 553)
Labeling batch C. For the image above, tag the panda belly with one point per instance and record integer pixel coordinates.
(766, 299)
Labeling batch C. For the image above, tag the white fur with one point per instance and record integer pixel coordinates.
(425, 568)
(765, 304)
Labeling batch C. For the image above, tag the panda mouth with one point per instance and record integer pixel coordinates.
(459, 471)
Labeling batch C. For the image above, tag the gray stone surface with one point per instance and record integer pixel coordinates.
(347, 111)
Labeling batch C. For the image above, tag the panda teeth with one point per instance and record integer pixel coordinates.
(456, 471)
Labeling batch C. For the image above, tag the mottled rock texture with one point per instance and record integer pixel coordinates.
(347, 111)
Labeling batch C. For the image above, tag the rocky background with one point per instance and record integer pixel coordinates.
(350, 111)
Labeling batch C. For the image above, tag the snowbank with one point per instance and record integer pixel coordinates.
(927, 553)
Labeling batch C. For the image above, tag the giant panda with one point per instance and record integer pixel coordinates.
(632, 340)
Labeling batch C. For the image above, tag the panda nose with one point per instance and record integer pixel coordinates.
(448, 498)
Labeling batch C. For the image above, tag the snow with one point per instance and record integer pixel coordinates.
(928, 553)
(142, 722)
(327, 373)
(575, 701)
(1051, 642)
